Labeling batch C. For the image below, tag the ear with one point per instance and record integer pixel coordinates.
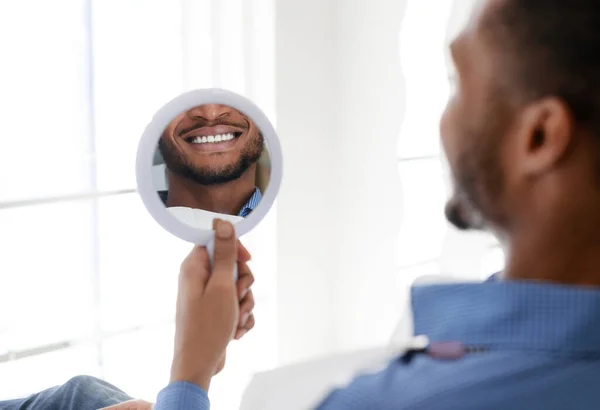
(546, 133)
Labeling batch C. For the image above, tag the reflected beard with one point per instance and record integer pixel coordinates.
(176, 163)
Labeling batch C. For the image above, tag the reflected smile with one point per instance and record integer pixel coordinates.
(211, 139)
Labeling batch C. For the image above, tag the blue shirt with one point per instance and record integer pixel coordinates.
(246, 209)
(529, 346)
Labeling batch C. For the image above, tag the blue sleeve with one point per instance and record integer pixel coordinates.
(182, 396)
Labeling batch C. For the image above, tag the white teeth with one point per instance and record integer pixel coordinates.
(213, 138)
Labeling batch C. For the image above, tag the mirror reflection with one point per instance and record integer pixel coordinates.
(211, 161)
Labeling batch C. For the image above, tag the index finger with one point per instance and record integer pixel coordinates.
(194, 272)
(243, 254)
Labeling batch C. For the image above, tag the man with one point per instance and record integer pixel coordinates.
(211, 154)
(522, 135)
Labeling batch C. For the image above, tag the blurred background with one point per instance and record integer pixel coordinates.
(354, 88)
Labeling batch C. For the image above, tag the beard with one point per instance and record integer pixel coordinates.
(462, 215)
(478, 177)
(211, 175)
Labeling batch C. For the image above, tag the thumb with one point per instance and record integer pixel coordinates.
(225, 253)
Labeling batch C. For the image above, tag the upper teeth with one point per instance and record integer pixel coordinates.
(212, 138)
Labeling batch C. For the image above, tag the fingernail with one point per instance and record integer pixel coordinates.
(244, 293)
(245, 317)
(224, 230)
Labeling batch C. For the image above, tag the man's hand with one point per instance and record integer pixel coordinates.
(211, 308)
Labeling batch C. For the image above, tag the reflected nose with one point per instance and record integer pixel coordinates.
(209, 112)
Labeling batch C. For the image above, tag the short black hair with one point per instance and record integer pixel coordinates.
(554, 48)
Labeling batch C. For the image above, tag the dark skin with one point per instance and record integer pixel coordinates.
(218, 177)
(525, 166)
(225, 199)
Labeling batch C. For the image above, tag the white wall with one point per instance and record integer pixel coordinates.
(305, 100)
(339, 110)
(370, 111)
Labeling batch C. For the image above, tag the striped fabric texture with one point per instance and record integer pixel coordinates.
(251, 204)
(248, 207)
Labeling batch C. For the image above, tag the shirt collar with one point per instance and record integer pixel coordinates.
(246, 209)
(494, 277)
(510, 315)
(251, 204)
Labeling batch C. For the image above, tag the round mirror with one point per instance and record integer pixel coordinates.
(208, 154)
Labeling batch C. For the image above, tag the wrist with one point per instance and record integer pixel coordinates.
(201, 381)
(184, 371)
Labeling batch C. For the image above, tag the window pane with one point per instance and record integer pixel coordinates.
(139, 264)
(198, 44)
(46, 267)
(23, 377)
(139, 363)
(231, 43)
(45, 141)
(137, 48)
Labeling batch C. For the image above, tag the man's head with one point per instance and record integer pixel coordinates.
(522, 127)
(211, 144)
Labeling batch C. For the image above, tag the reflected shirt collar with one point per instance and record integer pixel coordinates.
(246, 209)
(251, 204)
(510, 315)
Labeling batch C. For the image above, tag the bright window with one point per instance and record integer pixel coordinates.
(87, 285)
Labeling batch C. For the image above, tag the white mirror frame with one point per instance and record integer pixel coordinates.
(149, 142)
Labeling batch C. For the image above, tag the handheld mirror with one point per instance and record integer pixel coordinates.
(208, 154)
